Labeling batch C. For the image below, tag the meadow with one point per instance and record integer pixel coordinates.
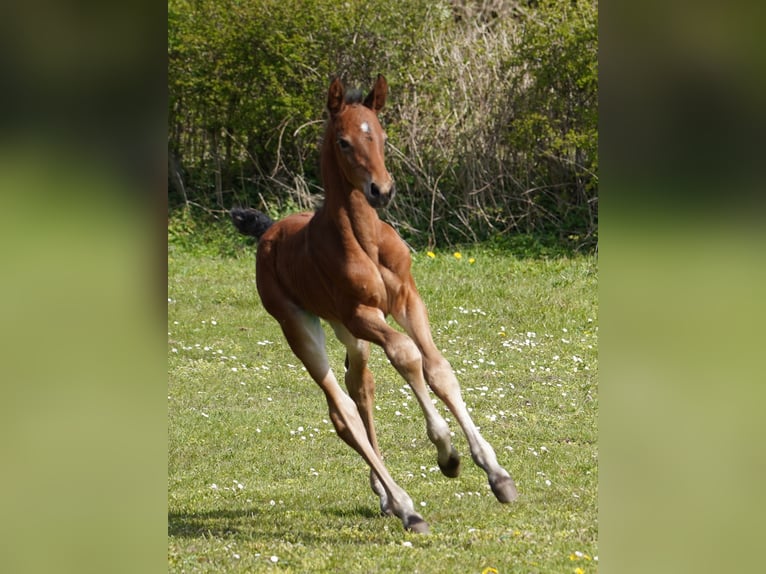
(258, 481)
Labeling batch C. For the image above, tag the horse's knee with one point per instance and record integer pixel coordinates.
(405, 355)
(439, 374)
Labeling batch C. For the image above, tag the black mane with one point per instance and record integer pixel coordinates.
(354, 96)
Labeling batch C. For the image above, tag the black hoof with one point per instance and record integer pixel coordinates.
(417, 525)
(504, 489)
(452, 467)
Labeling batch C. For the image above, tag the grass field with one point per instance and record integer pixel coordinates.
(258, 481)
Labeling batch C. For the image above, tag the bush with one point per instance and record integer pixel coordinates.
(492, 115)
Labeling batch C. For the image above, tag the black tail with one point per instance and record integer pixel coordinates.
(250, 221)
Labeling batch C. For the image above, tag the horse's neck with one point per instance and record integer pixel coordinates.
(352, 216)
(364, 223)
(345, 210)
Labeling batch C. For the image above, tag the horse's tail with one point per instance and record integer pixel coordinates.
(250, 221)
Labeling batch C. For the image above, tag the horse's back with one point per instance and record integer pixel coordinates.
(287, 227)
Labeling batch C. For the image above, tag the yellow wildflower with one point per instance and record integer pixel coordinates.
(489, 570)
(457, 255)
(579, 571)
(431, 254)
(472, 261)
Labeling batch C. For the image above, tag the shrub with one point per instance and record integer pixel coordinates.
(492, 116)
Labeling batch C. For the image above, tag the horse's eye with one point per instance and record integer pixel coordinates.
(344, 145)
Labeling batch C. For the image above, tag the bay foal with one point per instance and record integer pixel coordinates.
(344, 265)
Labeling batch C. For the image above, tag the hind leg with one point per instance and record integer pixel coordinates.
(361, 387)
(306, 338)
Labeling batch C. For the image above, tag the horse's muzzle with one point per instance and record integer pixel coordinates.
(380, 196)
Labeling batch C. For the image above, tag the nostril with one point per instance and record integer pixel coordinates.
(374, 190)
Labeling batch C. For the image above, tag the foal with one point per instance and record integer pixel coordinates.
(344, 265)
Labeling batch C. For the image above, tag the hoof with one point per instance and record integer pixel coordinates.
(417, 525)
(504, 489)
(452, 467)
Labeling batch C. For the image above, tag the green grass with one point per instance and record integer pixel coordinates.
(522, 335)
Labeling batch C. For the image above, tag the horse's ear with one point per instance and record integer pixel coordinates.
(376, 99)
(335, 97)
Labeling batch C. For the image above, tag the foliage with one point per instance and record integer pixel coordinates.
(255, 470)
(203, 234)
(558, 118)
(492, 116)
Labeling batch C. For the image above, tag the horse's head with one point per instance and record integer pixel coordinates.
(359, 141)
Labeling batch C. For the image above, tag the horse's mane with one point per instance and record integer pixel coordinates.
(354, 96)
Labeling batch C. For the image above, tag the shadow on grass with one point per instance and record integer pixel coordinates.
(357, 511)
(212, 522)
(258, 523)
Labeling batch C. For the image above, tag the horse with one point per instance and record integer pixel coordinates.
(344, 265)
